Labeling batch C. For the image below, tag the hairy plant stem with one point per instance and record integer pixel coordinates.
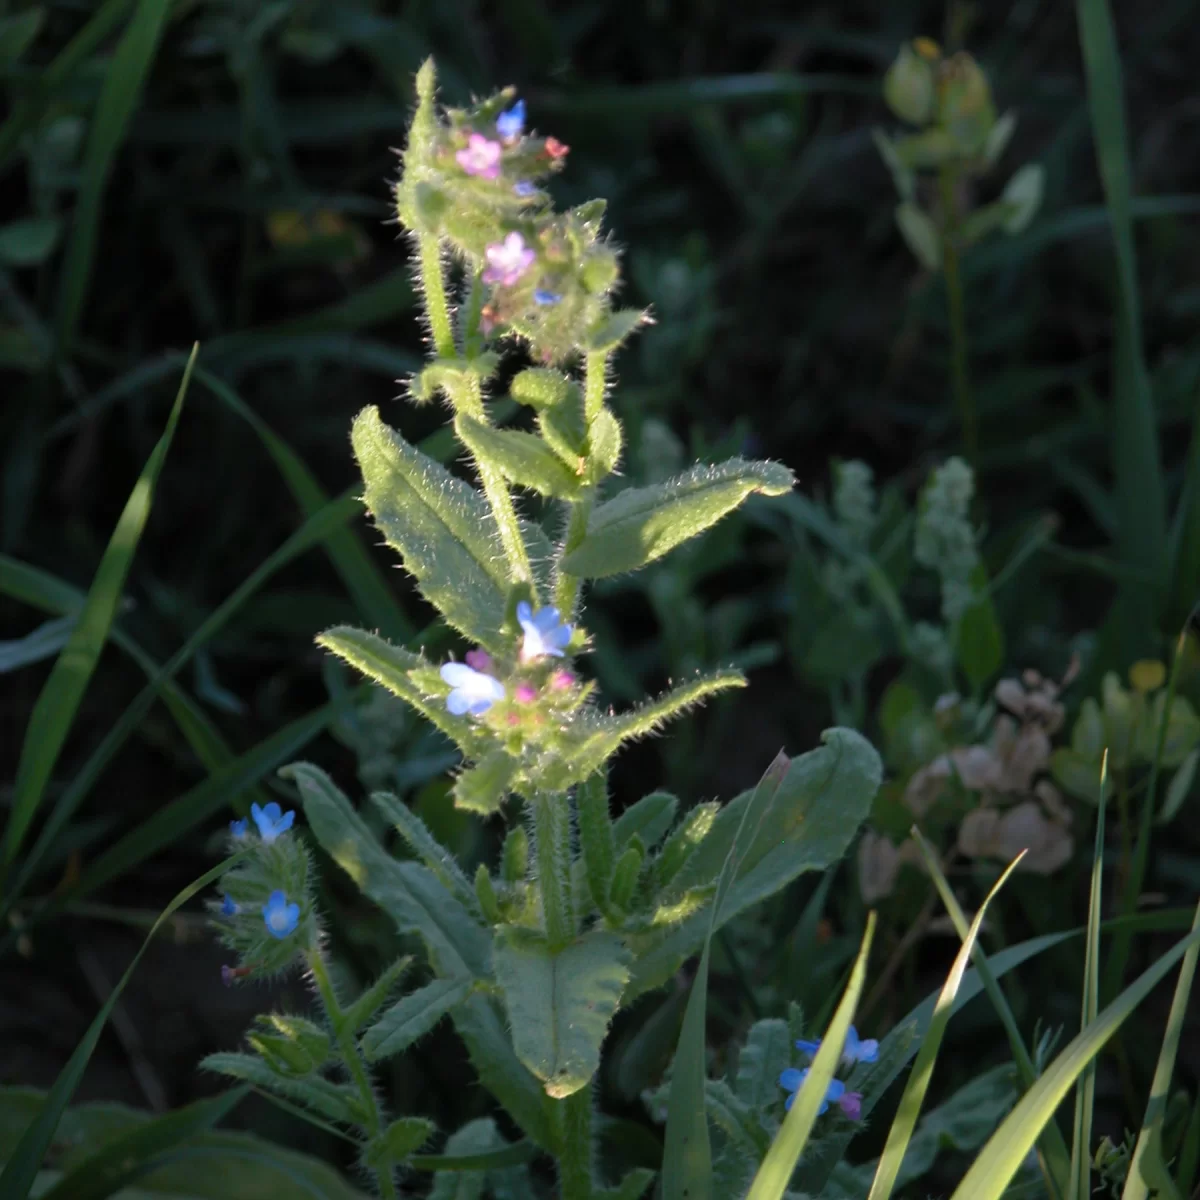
(354, 1061)
(552, 838)
(574, 1126)
(956, 308)
(470, 400)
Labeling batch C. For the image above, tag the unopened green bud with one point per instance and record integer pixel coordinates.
(909, 87)
(541, 387)
(485, 893)
(515, 857)
(965, 108)
(626, 874)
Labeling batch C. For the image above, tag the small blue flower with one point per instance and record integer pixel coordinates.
(792, 1079)
(281, 918)
(473, 691)
(238, 828)
(856, 1050)
(511, 123)
(541, 296)
(271, 820)
(544, 632)
(524, 188)
(229, 907)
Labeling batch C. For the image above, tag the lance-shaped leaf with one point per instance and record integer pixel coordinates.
(768, 1044)
(559, 1005)
(642, 524)
(523, 458)
(373, 997)
(402, 1137)
(596, 841)
(484, 787)
(338, 1102)
(412, 1017)
(632, 1187)
(440, 525)
(648, 818)
(392, 667)
(604, 445)
(614, 329)
(815, 806)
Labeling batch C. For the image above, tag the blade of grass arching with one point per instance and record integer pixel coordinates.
(142, 1149)
(375, 601)
(1118, 958)
(775, 1173)
(39, 589)
(1189, 1154)
(687, 1152)
(1147, 1167)
(909, 1111)
(59, 700)
(1053, 1156)
(26, 1159)
(123, 82)
(1085, 1089)
(1136, 462)
(1185, 538)
(1006, 1150)
(26, 111)
(314, 530)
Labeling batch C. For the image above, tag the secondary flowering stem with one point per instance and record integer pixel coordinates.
(552, 833)
(433, 283)
(574, 1121)
(956, 307)
(354, 1061)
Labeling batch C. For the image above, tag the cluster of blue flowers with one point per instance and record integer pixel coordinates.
(856, 1050)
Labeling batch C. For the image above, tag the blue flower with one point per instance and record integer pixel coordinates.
(473, 691)
(544, 632)
(229, 907)
(855, 1050)
(271, 820)
(792, 1079)
(281, 918)
(524, 188)
(542, 296)
(511, 123)
(238, 828)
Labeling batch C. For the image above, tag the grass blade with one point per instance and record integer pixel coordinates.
(142, 1150)
(1137, 468)
(773, 1176)
(1147, 1168)
(59, 700)
(1185, 539)
(26, 1159)
(1085, 1091)
(1006, 1150)
(918, 1081)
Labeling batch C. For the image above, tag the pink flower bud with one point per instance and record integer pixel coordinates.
(562, 681)
(525, 693)
(479, 660)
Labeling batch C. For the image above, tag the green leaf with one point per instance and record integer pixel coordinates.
(356, 1014)
(43, 642)
(614, 329)
(523, 458)
(442, 528)
(1179, 789)
(1185, 540)
(18, 32)
(597, 842)
(1076, 774)
(604, 446)
(59, 700)
(648, 819)
(632, 1187)
(810, 810)
(336, 1102)
(402, 1138)
(679, 847)
(123, 82)
(768, 1044)
(25, 1161)
(1023, 195)
(484, 787)
(640, 525)
(776, 1171)
(132, 1155)
(542, 387)
(30, 241)
(920, 235)
(472, 1142)
(978, 639)
(411, 1018)
(560, 1005)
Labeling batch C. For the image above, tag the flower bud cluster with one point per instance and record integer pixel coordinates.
(945, 539)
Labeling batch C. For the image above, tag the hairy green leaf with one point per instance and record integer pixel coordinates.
(523, 458)
(411, 1018)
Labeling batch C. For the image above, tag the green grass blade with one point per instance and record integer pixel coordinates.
(1147, 1168)
(142, 1150)
(775, 1173)
(314, 530)
(26, 1159)
(687, 1152)
(1004, 1153)
(1053, 1156)
(909, 1111)
(50, 78)
(1185, 538)
(59, 700)
(1085, 1090)
(123, 82)
(1136, 463)
(375, 600)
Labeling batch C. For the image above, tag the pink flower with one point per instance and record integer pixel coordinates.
(508, 260)
(525, 693)
(562, 681)
(478, 659)
(480, 156)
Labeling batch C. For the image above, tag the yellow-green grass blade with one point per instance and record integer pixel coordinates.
(1085, 1089)
(123, 81)
(1053, 1155)
(1008, 1147)
(909, 1111)
(1147, 1169)
(25, 1162)
(775, 1173)
(56, 706)
(375, 600)
(313, 531)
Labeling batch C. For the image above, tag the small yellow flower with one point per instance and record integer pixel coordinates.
(927, 48)
(1147, 675)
